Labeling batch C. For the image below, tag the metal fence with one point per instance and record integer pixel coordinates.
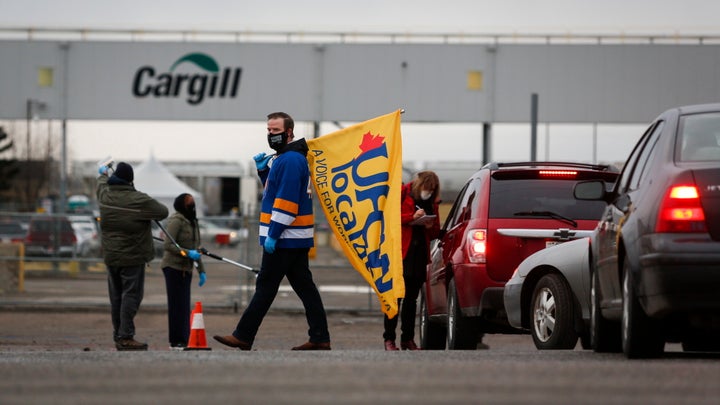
(341, 286)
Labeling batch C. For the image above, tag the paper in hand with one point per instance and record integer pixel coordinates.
(425, 219)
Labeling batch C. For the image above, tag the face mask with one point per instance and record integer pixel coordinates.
(277, 141)
(189, 212)
(425, 195)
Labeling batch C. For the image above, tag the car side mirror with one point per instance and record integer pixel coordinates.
(589, 190)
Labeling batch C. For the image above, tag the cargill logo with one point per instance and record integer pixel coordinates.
(209, 83)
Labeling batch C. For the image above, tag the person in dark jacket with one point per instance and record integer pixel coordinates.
(177, 265)
(419, 198)
(125, 217)
(286, 235)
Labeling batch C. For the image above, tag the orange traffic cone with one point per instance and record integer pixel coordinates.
(197, 330)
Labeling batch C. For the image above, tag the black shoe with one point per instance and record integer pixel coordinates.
(130, 344)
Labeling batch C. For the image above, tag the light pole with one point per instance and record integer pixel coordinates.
(32, 109)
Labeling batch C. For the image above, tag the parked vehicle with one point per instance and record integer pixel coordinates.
(549, 296)
(211, 233)
(11, 231)
(87, 232)
(504, 213)
(50, 236)
(656, 253)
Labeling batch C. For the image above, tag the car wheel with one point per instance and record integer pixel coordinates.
(461, 331)
(432, 335)
(641, 335)
(604, 334)
(552, 314)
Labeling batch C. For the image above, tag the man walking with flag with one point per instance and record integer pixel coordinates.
(286, 235)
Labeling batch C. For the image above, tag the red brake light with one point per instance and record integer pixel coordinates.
(680, 211)
(558, 173)
(477, 245)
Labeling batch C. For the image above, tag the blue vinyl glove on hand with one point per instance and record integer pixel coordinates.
(261, 160)
(103, 170)
(270, 245)
(193, 254)
(203, 279)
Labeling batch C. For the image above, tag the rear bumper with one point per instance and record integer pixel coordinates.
(682, 277)
(64, 251)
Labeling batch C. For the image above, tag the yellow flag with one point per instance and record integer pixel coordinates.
(357, 175)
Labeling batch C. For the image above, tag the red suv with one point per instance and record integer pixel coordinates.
(50, 236)
(504, 213)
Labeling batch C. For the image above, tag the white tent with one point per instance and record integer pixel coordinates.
(155, 180)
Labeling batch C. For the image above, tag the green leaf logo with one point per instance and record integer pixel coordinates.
(202, 61)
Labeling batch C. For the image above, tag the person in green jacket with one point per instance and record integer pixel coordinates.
(125, 218)
(177, 265)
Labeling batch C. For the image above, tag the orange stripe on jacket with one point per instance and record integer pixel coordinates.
(285, 205)
(301, 220)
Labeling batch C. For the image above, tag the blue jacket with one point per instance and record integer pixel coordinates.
(286, 213)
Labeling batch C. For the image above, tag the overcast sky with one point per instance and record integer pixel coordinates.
(238, 141)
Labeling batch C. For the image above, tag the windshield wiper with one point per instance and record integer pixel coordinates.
(548, 214)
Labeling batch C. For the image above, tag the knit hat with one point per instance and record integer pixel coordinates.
(124, 171)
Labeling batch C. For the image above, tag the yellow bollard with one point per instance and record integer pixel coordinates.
(73, 268)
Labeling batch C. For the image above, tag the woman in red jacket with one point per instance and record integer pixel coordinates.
(420, 224)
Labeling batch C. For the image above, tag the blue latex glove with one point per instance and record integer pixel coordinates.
(270, 245)
(261, 160)
(193, 254)
(203, 279)
(103, 170)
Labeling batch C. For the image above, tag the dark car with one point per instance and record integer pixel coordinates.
(11, 231)
(656, 252)
(50, 236)
(504, 213)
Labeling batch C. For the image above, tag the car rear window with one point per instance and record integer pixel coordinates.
(47, 225)
(509, 198)
(699, 137)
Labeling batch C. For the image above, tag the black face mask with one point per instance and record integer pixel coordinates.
(277, 141)
(190, 212)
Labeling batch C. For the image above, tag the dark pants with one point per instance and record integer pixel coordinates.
(177, 285)
(408, 309)
(293, 264)
(414, 276)
(126, 288)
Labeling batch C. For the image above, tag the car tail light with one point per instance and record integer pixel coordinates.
(560, 174)
(680, 211)
(477, 245)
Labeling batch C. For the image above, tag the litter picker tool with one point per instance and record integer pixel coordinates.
(162, 228)
(205, 252)
(226, 260)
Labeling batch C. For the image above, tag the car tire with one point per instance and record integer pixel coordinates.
(552, 314)
(462, 333)
(432, 335)
(641, 335)
(604, 334)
